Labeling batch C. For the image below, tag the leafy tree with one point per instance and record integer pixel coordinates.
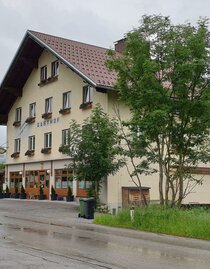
(2, 166)
(163, 76)
(93, 148)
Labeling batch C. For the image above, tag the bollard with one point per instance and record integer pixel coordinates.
(132, 214)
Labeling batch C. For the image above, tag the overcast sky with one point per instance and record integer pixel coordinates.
(98, 22)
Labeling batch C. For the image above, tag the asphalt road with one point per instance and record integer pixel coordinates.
(43, 234)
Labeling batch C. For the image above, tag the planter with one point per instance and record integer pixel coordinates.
(30, 120)
(16, 195)
(7, 195)
(47, 116)
(23, 196)
(29, 153)
(16, 123)
(42, 197)
(70, 198)
(46, 150)
(15, 155)
(65, 111)
(54, 197)
(86, 105)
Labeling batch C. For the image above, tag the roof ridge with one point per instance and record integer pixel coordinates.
(71, 40)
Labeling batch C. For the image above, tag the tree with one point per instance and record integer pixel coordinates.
(93, 148)
(163, 76)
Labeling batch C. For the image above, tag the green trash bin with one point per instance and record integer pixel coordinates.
(87, 206)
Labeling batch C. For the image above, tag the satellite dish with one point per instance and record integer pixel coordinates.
(2, 150)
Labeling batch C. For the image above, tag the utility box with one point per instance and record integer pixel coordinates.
(131, 196)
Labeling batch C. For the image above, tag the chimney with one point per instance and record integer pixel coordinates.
(120, 45)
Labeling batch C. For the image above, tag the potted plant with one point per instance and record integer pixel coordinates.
(17, 195)
(1, 193)
(53, 194)
(22, 193)
(41, 193)
(7, 193)
(69, 197)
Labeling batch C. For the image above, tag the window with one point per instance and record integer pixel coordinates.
(65, 136)
(48, 105)
(43, 73)
(17, 145)
(48, 140)
(87, 94)
(32, 110)
(31, 142)
(18, 114)
(62, 179)
(15, 180)
(66, 100)
(32, 179)
(54, 68)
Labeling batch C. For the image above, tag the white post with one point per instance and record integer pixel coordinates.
(132, 214)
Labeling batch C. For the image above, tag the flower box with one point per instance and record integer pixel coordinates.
(17, 123)
(29, 153)
(47, 116)
(46, 150)
(65, 111)
(63, 148)
(48, 80)
(15, 155)
(86, 105)
(30, 120)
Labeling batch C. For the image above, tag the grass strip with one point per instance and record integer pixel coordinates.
(193, 223)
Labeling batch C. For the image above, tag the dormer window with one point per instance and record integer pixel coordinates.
(43, 73)
(54, 69)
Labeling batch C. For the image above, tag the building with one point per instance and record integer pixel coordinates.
(50, 81)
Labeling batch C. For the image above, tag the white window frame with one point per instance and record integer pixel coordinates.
(87, 94)
(48, 105)
(32, 110)
(47, 140)
(17, 145)
(31, 142)
(43, 73)
(18, 114)
(54, 68)
(65, 137)
(66, 100)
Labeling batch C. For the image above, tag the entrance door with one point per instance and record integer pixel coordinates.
(44, 181)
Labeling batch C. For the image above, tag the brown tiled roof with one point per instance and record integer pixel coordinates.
(88, 59)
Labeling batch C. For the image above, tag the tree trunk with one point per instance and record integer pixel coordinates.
(161, 184)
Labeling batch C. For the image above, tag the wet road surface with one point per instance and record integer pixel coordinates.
(42, 234)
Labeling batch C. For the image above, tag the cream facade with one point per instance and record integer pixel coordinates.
(46, 166)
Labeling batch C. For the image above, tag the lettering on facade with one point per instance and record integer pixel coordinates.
(47, 122)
